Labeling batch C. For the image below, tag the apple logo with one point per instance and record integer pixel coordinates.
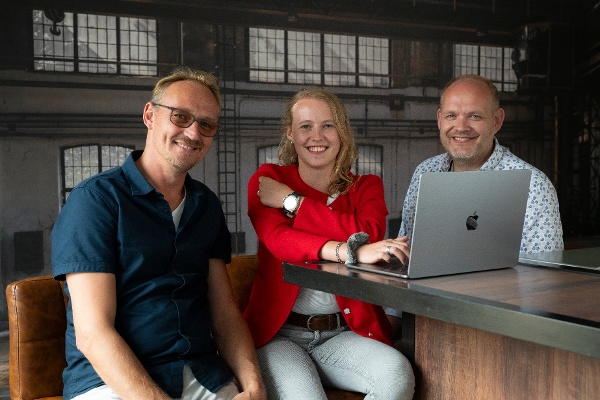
(472, 221)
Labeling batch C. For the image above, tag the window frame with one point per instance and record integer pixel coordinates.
(65, 190)
(474, 62)
(83, 35)
(358, 166)
(271, 55)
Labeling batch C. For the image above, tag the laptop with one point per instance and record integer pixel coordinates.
(464, 222)
(585, 259)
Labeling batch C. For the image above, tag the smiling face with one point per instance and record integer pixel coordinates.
(314, 135)
(173, 148)
(468, 119)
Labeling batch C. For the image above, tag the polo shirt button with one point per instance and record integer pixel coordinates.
(370, 334)
(346, 311)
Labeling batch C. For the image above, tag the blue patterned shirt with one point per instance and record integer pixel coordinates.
(542, 230)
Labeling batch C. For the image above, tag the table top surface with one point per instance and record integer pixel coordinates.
(550, 306)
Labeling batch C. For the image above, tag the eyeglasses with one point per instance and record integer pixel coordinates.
(184, 119)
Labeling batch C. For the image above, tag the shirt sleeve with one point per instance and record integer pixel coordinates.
(410, 205)
(84, 235)
(542, 230)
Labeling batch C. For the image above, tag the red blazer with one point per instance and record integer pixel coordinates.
(299, 239)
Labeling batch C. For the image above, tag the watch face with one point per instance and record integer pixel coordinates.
(290, 203)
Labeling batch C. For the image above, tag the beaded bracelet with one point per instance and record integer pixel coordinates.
(337, 252)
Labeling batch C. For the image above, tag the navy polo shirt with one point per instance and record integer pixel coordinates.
(116, 222)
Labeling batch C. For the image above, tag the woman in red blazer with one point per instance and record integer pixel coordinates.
(309, 208)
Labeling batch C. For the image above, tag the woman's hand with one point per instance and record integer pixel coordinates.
(271, 192)
(384, 250)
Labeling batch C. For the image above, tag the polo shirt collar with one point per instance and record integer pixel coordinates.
(139, 184)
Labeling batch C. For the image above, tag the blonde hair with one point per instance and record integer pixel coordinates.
(347, 154)
(187, 74)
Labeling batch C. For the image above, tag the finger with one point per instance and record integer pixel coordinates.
(403, 253)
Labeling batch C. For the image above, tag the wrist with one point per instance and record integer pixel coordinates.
(291, 203)
(354, 242)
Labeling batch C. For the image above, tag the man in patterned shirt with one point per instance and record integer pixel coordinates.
(469, 118)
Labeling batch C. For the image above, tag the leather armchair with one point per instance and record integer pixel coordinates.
(37, 324)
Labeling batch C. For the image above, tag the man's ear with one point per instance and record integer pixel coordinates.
(148, 115)
(498, 119)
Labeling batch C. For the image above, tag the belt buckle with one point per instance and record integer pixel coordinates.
(310, 317)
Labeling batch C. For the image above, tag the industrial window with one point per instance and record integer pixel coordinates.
(268, 154)
(81, 162)
(98, 44)
(374, 61)
(322, 59)
(493, 63)
(370, 160)
(267, 55)
(340, 59)
(304, 57)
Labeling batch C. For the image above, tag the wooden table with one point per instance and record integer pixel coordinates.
(517, 333)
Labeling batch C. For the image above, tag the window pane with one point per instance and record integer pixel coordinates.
(268, 154)
(114, 156)
(82, 162)
(373, 55)
(53, 45)
(304, 55)
(79, 163)
(340, 56)
(94, 43)
(138, 46)
(370, 160)
(97, 48)
(267, 55)
(466, 59)
(311, 58)
(491, 62)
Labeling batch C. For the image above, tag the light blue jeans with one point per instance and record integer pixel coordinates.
(297, 363)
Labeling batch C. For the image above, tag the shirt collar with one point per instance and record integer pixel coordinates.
(497, 155)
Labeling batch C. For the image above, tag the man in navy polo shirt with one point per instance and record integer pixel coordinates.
(143, 248)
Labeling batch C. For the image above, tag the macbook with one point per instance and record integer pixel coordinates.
(464, 222)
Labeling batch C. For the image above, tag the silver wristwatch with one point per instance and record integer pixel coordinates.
(291, 202)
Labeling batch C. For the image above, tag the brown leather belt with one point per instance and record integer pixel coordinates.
(322, 322)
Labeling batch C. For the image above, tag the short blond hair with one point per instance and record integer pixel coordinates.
(187, 74)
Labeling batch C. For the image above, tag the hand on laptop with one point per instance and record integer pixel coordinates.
(384, 251)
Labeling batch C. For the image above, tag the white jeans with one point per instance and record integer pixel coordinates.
(192, 390)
